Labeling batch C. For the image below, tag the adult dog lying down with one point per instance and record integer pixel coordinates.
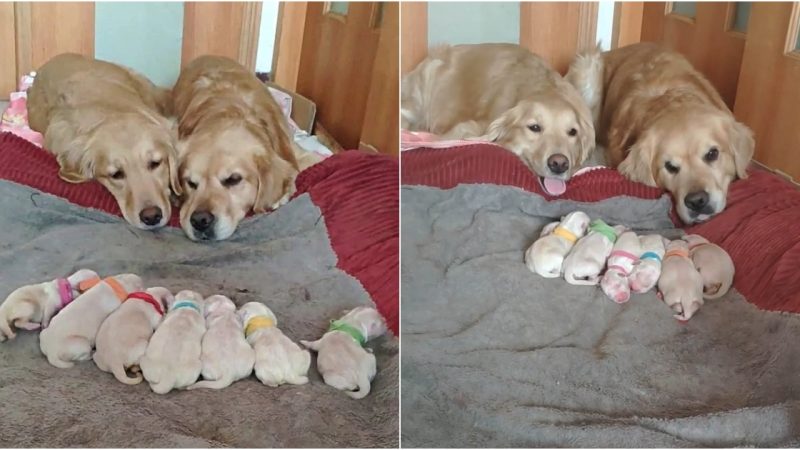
(505, 94)
(664, 124)
(105, 122)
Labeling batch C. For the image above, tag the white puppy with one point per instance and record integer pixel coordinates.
(278, 359)
(123, 337)
(646, 272)
(587, 259)
(680, 285)
(621, 261)
(172, 360)
(546, 255)
(714, 264)
(71, 334)
(341, 357)
(226, 355)
(31, 307)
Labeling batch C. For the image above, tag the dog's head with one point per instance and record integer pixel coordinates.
(217, 304)
(552, 133)
(162, 295)
(693, 153)
(252, 309)
(132, 155)
(187, 295)
(226, 172)
(368, 318)
(577, 222)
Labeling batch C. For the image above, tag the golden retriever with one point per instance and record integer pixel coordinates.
(235, 150)
(106, 122)
(664, 124)
(505, 94)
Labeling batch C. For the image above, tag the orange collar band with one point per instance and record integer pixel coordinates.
(677, 252)
(119, 291)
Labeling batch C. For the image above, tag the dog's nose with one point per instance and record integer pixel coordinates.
(696, 201)
(151, 215)
(558, 163)
(201, 220)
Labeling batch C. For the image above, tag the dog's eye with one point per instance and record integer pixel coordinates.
(118, 175)
(153, 165)
(671, 168)
(535, 128)
(191, 184)
(711, 155)
(572, 132)
(232, 180)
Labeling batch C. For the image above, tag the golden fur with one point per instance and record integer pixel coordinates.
(235, 150)
(501, 93)
(106, 122)
(659, 114)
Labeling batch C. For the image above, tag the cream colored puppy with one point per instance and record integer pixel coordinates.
(680, 285)
(713, 263)
(123, 337)
(341, 357)
(172, 360)
(546, 255)
(226, 356)
(31, 307)
(621, 261)
(587, 259)
(71, 334)
(646, 272)
(278, 359)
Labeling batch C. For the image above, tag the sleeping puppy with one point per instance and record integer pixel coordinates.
(341, 357)
(680, 285)
(505, 94)
(620, 264)
(172, 360)
(31, 307)
(71, 334)
(586, 261)
(278, 359)
(105, 122)
(713, 263)
(546, 255)
(235, 150)
(664, 124)
(646, 272)
(226, 355)
(123, 336)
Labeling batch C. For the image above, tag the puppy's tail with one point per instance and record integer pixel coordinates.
(363, 387)
(212, 384)
(119, 372)
(586, 75)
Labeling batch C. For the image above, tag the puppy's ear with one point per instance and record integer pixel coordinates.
(549, 228)
(743, 147)
(638, 165)
(275, 179)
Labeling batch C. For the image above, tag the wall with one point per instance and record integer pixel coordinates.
(605, 23)
(266, 36)
(473, 22)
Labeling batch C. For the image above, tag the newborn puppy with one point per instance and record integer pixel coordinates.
(713, 263)
(71, 334)
(31, 307)
(546, 255)
(172, 360)
(341, 357)
(122, 339)
(226, 355)
(278, 359)
(588, 258)
(680, 285)
(623, 256)
(645, 274)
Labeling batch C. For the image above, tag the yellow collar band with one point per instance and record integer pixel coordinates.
(258, 323)
(565, 233)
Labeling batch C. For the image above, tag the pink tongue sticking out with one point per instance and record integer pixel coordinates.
(554, 186)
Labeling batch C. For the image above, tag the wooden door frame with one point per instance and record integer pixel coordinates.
(289, 43)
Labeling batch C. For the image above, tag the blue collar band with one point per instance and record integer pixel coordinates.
(186, 304)
(651, 255)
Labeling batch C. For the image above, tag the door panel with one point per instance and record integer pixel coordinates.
(8, 51)
(768, 98)
(704, 39)
(573, 24)
(414, 31)
(221, 28)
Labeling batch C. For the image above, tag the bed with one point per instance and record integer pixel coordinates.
(332, 247)
(496, 356)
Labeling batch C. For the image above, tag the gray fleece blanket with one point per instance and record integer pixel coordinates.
(283, 259)
(494, 355)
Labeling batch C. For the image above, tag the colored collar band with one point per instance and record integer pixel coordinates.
(677, 252)
(119, 291)
(257, 323)
(64, 291)
(650, 255)
(623, 254)
(565, 233)
(603, 228)
(355, 333)
(144, 296)
(186, 304)
(619, 269)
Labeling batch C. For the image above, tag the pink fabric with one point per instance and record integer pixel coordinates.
(64, 291)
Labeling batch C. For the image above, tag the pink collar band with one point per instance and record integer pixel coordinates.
(624, 254)
(64, 291)
(619, 269)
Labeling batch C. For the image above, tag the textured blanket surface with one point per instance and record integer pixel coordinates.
(283, 259)
(494, 355)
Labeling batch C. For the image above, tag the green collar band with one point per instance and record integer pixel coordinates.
(355, 333)
(603, 228)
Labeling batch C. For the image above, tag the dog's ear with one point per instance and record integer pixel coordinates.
(499, 128)
(71, 142)
(638, 165)
(275, 179)
(742, 146)
(586, 132)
